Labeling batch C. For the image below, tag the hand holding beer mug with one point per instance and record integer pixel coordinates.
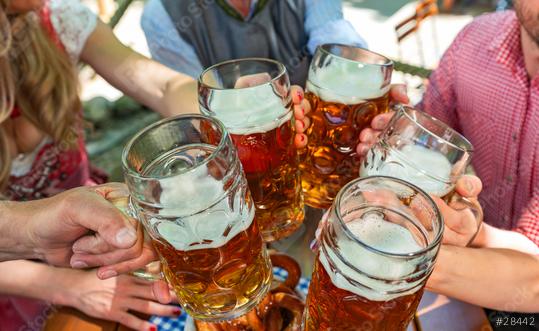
(188, 189)
(347, 87)
(376, 253)
(251, 97)
(424, 151)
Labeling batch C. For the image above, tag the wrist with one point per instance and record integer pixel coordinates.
(64, 292)
(440, 276)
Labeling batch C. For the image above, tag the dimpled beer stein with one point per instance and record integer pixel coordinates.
(188, 189)
(347, 86)
(251, 97)
(426, 152)
(376, 253)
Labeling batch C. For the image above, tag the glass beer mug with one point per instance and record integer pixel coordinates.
(187, 187)
(377, 250)
(426, 152)
(347, 86)
(251, 97)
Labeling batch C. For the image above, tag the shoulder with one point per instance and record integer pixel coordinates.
(487, 26)
(73, 22)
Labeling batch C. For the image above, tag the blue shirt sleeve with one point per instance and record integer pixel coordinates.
(165, 43)
(325, 23)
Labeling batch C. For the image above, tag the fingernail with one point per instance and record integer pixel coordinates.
(152, 328)
(317, 233)
(79, 265)
(300, 96)
(302, 138)
(108, 274)
(177, 311)
(126, 237)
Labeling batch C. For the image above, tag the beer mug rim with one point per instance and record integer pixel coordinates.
(432, 245)
(466, 145)
(281, 72)
(326, 49)
(189, 117)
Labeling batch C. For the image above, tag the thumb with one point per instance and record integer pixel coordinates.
(161, 292)
(469, 186)
(399, 93)
(102, 217)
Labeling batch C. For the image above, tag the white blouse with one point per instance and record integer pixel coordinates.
(73, 22)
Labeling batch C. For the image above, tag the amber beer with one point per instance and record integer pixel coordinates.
(270, 162)
(346, 87)
(259, 118)
(375, 257)
(217, 280)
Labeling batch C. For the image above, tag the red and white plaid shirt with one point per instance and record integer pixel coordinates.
(482, 89)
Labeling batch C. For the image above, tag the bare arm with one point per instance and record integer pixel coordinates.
(147, 81)
(494, 278)
(492, 237)
(30, 279)
(14, 241)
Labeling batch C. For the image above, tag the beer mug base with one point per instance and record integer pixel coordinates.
(283, 228)
(236, 312)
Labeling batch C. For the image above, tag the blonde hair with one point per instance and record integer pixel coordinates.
(40, 78)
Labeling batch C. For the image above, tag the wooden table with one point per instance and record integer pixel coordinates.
(435, 312)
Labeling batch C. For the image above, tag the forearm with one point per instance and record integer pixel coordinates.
(149, 82)
(29, 279)
(15, 241)
(492, 278)
(492, 237)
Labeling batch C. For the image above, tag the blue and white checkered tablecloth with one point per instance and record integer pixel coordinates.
(178, 323)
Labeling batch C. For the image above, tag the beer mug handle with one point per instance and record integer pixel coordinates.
(152, 271)
(459, 202)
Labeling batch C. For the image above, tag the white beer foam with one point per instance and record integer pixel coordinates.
(381, 235)
(190, 193)
(347, 82)
(250, 110)
(397, 164)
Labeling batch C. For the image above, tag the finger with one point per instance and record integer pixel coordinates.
(252, 80)
(398, 93)
(300, 140)
(362, 149)
(141, 288)
(369, 136)
(452, 218)
(133, 322)
(302, 125)
(469, 186)
(451, 238)
(82, 258)
(297, 95)
(161, 292)
(112, 191)
(152, 308)
(379, 122)
(92, 245)
(139, 262)
(306, 106)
